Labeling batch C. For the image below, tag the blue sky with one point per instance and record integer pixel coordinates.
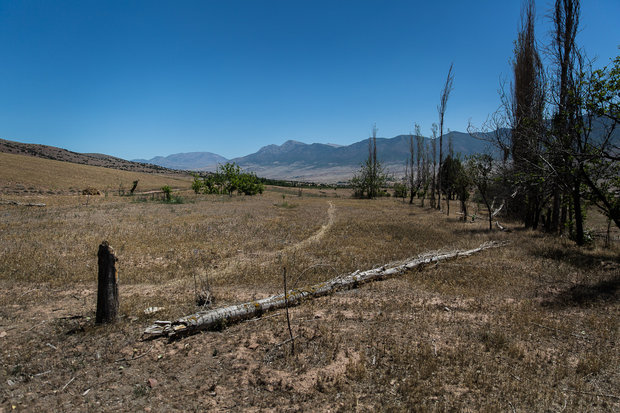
(145, 78)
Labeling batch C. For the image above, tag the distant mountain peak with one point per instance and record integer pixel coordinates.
(186, 160)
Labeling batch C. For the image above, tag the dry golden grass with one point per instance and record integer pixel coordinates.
(25, 174)
(532, 326)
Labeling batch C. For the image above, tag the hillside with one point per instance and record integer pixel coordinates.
(32, 175)
(92, 159)
(187, 161)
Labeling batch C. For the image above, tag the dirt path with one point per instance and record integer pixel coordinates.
(319, 234)
(233, 263)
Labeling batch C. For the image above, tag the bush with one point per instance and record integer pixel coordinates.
(227, 180)
(400, 190)
(167, 192)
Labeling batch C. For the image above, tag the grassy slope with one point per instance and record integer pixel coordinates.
(19, 173)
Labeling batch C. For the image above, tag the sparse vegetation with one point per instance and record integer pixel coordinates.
(469, 334)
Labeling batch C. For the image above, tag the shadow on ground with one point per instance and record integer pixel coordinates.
(586, 294)
(581, 259)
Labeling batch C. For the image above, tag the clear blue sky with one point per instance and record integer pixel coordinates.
(144, 78)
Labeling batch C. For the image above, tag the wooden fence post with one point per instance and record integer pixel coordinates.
(107, 289)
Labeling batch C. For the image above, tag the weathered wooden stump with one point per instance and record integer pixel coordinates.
(107, 288)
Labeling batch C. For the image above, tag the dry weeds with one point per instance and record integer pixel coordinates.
(529, 327)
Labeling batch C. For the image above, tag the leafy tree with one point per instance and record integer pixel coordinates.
(229, 173)
(600, 167)
(228, 179)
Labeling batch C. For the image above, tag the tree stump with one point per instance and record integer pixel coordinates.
(107, 289)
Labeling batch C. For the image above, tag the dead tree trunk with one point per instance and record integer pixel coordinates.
(107, 289)
(29, 204)
(220, 317)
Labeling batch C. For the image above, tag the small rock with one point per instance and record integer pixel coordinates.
(253, 346)
(2, 334)
(152, 383)
(10, 382)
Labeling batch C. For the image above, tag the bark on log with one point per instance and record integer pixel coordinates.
(107, 288)
(218, 318)
(29, 204)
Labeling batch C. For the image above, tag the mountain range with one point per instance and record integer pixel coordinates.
(317, 162)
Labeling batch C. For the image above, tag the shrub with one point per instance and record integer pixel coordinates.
(167, 192)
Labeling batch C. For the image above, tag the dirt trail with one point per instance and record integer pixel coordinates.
(319, 234)
(301, 244)
(238, 260)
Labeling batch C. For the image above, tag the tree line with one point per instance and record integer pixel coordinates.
(554, 131)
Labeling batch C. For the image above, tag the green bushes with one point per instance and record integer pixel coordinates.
(228, 179)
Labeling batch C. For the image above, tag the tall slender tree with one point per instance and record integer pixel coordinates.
(434, 171)
(441, 109)
(528, 102)
(410, 175)
(567, 120)
(419, 144)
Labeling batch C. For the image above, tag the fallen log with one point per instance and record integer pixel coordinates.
(29, 204)
(220, 317)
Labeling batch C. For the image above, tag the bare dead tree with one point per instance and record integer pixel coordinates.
(434, 153)
(419, 143)
(410, 172)
(441, 109)
(426, 172)
(372, 156)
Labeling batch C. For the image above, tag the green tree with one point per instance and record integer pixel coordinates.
(229, 173)
(228, 179)
(600, 166)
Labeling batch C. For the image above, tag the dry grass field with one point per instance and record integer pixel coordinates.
(530, 326)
